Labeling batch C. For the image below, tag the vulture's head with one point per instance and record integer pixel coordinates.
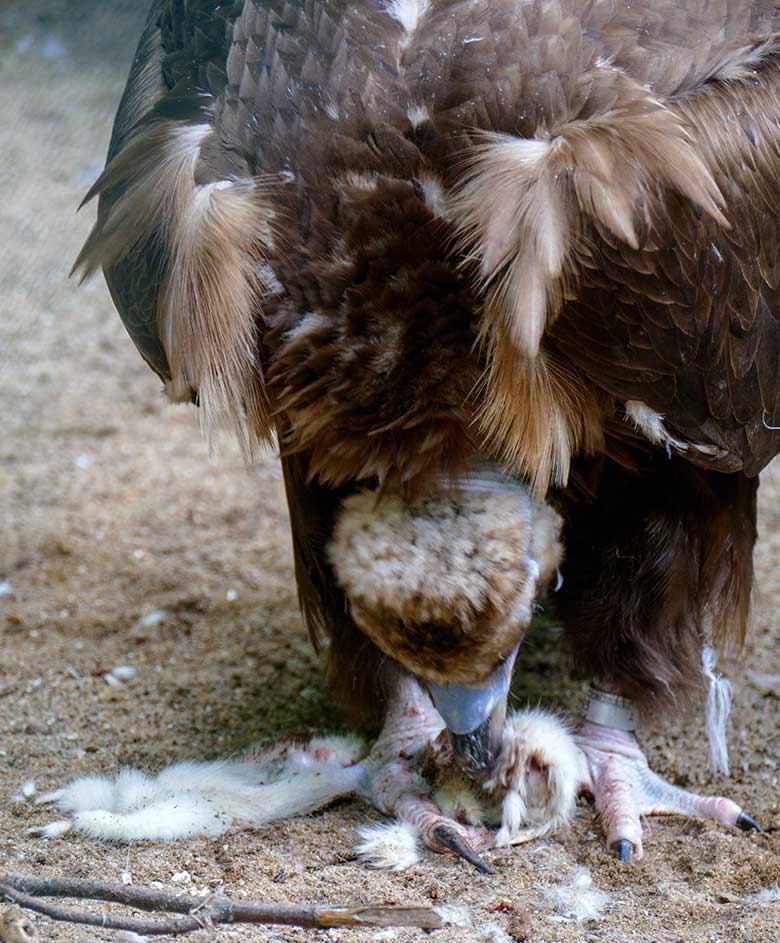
(445, 585)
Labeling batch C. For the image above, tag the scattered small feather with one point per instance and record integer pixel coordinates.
(767, 895)
(150, 619)
(765, 683)
(577, 900)
(26, 791)
(454, 916)
(493, 933)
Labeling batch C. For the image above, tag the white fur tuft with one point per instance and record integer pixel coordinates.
(52, 830)
(91, 792)
(26, 791)
(389, 847)
(179, 816)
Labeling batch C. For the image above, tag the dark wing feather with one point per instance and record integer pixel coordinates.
(134, 283)
(176, 72)
(689, 323)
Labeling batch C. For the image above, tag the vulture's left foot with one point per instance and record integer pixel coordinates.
(624, 788)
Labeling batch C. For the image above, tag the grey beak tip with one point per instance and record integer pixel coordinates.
(474, 750)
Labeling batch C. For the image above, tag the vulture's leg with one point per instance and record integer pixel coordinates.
(624, 788)
(654, 561)
(410, 743)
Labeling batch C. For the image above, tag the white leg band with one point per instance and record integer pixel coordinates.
(611, 710)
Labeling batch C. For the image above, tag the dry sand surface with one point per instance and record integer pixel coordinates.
(111, 510)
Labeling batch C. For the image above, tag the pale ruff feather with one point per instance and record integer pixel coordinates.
(408, 13)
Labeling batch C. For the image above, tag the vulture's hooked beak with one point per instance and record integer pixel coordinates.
(474, 715)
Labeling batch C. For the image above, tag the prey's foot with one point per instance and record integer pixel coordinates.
(615, 773)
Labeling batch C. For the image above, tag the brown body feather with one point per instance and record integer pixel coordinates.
(314, 213)
(655, 557)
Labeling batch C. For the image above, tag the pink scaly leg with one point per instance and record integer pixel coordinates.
(411, 737)
(615, 772)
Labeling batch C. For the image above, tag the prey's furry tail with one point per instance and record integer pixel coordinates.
(189, 799)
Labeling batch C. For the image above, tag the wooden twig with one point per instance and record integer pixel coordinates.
(198, 912)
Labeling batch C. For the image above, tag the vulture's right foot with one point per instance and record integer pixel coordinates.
(410, 775)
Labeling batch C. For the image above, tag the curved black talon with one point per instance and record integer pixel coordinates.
(456, 844)
(623, 849)
(747, 823)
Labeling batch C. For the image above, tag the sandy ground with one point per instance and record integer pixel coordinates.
(112, 510)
